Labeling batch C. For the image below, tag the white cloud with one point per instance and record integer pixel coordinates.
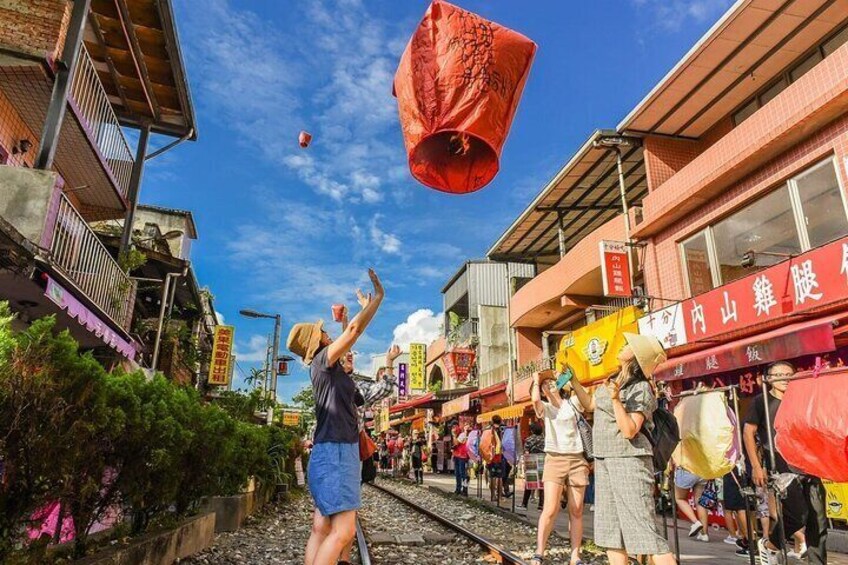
(673, 14)
(387, 242)
(422, 326)
(328, 69)
(253, 351)
(220, 317)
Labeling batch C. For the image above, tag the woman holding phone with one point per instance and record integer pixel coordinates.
(566, 468)
(625, 517)
(334, 466)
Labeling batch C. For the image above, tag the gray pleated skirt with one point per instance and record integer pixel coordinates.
(625, 514)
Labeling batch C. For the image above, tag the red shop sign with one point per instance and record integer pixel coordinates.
(811, 280)
(458, 363)
(615, 269)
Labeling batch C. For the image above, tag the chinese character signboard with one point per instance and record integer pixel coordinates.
(615, 269)
(698, 267)
(811, 280)
(222, 349)
(667, 325)
(403, 380)
(417, 362)
(592, 351)
(291, 418)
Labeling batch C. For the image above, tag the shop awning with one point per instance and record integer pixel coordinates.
(796, 340)
(456, 406)
(508, 413)
(406, 420)
(415, 402)
(488, 391)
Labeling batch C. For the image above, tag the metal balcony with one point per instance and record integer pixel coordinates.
(78, 252)
(93, 107)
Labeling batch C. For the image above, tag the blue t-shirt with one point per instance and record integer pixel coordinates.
(335, 407)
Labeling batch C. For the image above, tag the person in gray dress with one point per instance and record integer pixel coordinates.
(625, 515)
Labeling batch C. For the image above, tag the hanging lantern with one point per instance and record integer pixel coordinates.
(305, 138)
(459, 362)
(458, 86)
(812, 426)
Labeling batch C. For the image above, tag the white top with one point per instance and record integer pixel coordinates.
(561, 435)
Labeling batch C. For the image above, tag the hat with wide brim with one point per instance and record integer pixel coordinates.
(305, 339)
(648, 351)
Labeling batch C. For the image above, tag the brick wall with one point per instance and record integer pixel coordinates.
(34, 27)
(664, 157)
(663, 268)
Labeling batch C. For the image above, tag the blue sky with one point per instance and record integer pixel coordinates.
(289, 230)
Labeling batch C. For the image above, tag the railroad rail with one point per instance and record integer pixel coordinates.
(503, 555)
(362, 545)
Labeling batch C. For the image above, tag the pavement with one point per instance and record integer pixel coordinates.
(691, 551)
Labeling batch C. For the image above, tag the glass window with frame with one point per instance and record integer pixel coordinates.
(814, 59)
(772, 91)
(822, 204)
(835, 42)
(746, 111)
(696, 260)
(767, 226)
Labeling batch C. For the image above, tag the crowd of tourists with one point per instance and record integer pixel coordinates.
(611, 446)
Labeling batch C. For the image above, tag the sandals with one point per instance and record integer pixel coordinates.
(537, 560)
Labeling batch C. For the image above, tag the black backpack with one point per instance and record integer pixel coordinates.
(664, 438)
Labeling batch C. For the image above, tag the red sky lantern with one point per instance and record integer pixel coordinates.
(458, 86)
(304, 139)
(812, 426)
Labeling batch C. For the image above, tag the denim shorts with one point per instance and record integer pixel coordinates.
(686, 480)
(334, 475)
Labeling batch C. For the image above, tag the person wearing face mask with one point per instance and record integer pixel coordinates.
(334, 466)
(625, 515)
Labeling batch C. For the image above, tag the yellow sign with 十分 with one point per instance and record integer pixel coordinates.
(592, 351)
(220, 366)
(417, 363)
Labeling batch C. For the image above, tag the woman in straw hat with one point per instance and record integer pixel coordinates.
(334, 466)
(625, 518)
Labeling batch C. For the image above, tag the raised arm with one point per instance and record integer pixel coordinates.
(628, 422)
(360, 322)
(586, 400)
(536, 397)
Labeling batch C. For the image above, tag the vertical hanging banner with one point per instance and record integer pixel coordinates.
(417, 362)
(615, 269)
(403, 380)
(222, 351)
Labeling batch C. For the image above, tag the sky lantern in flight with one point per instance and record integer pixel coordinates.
(304, 139)
(458, 85)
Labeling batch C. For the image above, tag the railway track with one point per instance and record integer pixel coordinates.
(492, 548)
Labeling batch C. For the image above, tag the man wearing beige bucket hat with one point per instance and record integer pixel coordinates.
(333, 474)
(625, 517)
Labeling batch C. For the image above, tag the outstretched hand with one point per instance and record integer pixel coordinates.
(363, 299)
(393, 353)
(378, 286)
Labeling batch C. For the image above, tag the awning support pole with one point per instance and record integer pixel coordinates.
(134, 188)
(560, 234)
(62, 86)
(622, 187)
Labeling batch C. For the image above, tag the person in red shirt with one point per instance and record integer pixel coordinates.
(460, 458)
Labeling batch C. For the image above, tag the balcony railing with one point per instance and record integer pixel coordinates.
(92, 102)
(79, 252)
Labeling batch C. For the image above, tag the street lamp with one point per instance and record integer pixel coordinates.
(247, 313)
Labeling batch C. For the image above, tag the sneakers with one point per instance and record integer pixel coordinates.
(767, 556)
(800, 555)
(695, 529)
(730, 540)
(704, 537)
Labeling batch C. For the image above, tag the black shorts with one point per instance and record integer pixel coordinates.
(496, 470)
(416, 462)
(733, 499)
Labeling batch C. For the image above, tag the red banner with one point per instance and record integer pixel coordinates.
(615, 269)
(811, 280)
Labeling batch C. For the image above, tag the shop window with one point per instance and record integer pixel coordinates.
(835, 42)
(814, 59)
(822, 204)
(696, 258)
(767, 226)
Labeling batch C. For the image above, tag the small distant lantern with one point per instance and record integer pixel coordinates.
(458, 86)
(304, 139)
(283, 365)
